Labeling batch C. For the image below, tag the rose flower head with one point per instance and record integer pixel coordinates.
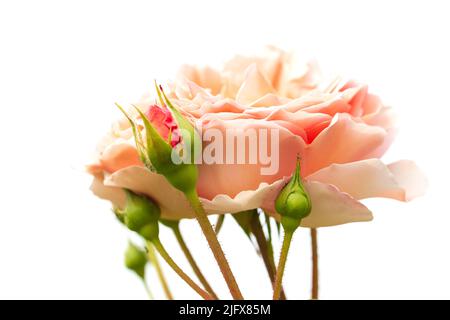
(339, 128)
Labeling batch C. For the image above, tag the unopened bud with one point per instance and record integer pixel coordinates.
(293, 203)
(141, 215)
(136, 259)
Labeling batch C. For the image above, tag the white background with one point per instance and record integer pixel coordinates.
(64, 63)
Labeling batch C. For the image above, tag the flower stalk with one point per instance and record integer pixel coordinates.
(214, 244)
(162, 279)
(282, 264)
(265, 250)
(190, 258)
(165, 255)
(315, 265)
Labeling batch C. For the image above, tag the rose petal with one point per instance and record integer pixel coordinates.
(331, 207)
(361, 179)
(409, 177)
(254, 86)
(205, 77)
(172, 202)
(231, 178)
(345, 140)
(244, 200)
(115, 195)
(118, 156)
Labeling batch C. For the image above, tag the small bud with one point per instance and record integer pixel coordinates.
(293, 203)
(170, 145)
(136, 260)
(141, 215)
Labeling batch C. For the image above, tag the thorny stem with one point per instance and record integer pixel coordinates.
(214, 244)
(154, 260)
(192, 261)
(282, 264)
(315, 265)
(264, 249)
(165, 255)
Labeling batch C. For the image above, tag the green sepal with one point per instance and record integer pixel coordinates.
(244, 220)
(172, 224)
(140, 146)
(268, 227)
(188, 132)
(158, 150)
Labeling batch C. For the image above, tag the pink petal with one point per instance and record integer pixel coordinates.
(205, 77)
(254, 86)
(409, 177)
(118, 156)
(172, 202)
(115, 195)
(372, 178)
(230, 179)
(345, 140)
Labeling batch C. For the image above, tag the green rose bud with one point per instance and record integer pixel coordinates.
(175, 161)
(141, 215)
(293, 203)
(136, 260)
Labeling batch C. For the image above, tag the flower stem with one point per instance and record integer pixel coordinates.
(154, 260)
(192, 261)
(315, 265)
(214, 244)
(282, 264)
(264, 249)
(165, 255)
(149, 292)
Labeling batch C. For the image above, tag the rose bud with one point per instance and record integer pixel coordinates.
(136, 260)
(293, 202)
(140, 215)
(169, 147)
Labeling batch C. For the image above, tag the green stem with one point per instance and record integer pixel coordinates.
(269, 243)
(165, 255)
(147, 289)
(315, 265)
(154, 261)
(192, 261)
(211, 237)
(282, 264)
(263, 246)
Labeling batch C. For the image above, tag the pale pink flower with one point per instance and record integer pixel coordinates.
(339, 129)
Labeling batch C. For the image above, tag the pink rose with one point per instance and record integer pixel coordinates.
(339, 129)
